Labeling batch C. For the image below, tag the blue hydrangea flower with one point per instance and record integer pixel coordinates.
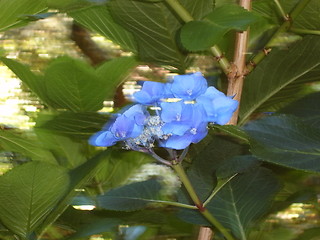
(185, 123)
(189, 86)
(177, 124)
(130, 124)
(219, 107)
(150, 93)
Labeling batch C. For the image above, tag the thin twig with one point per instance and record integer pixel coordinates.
(285, 26)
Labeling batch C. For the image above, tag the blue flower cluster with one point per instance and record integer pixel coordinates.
(182, 110)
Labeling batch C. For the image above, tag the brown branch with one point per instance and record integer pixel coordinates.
(205, 233)
(238, 70)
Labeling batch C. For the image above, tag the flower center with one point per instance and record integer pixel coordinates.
(120, 134)
(193, 131)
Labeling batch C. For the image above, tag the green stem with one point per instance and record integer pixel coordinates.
(180, 10)
(204, 211)
(187, 17)
(305, 31)
(283, 28)
(282, 12)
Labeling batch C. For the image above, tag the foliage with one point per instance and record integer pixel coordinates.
(231, 180)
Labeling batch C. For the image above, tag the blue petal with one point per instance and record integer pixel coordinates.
(102, 139)
(178, 142)
(137, 113)
(142, 97)
(176, 128)
(201, 133)
(150, 93)
(122, 127)
(171, 111)
(189, 86)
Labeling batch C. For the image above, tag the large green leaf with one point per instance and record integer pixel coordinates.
(78, 178)
(280, 69)
(71, 5)
(33, 81)
(212, 159)
(130, 197)
(74, 125)
(28, 194)
(12, 11)
(114, 72)
(73, 85)
(307, 108)
(99, 19)
(69, 153)
(155, 28)
(241, 201)
(214, 26)
(287, 141)
(119, 167)
(27, 146)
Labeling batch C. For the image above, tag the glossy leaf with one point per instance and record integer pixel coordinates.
(74, 125)
(73, 85)
(68, 5)
(33, 81)
(207, 157)
(130, 197)
(27, 146)
(78, 178)
(214, 26)
(69, 153)
(307, 108)
(99, 19)
(112, 73)
(28, 194)
(155, 28)
(120, 167)
(240, 202)
(285, 140)
(280, 69)
(11, 11)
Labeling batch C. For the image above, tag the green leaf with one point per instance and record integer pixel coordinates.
(308, 19)
(237, 164)
(232, 130)
(285, 140)
(207, 157)
(74, 85)
(119, 167)
(34, 82)
(99, 19)
(74, 125)
(112, 73)
(28, 194)
(69, 153)
(71, 5)
(78, 178)
(246, 198)
(277, 72)
(214, 26)
(12, 10)
(27, 146)
(130, 197)
(155, 28)
(306, 108)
